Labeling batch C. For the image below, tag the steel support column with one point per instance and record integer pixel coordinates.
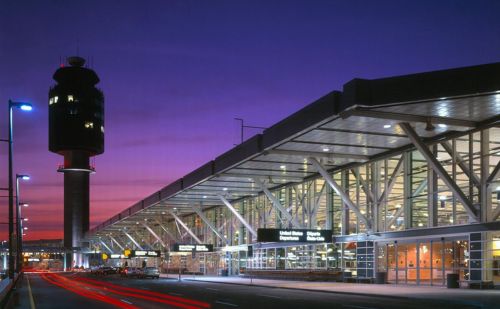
(438, 168)
(494, 174)
(202, 216)
(392, 180)
(184, 226)
(460, 161)
(143, 238)
(277, 205)
(172, 236)
(364, 184)
(484, 188)
(345, 198)
(133, 240)
(398, 212)
(432, 193)
(116, 242)
(495, 214)
(378, 212)
(237, 215)
(106, 246)
(150, 230)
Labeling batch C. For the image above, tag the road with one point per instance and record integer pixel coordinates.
(83, 290)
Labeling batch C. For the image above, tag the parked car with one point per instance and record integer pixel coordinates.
(152, 272)
(105, 270)
(132, 272)
(94, 269)
(121, 270)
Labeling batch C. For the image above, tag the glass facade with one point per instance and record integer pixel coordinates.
(320, 256)
(397, 193)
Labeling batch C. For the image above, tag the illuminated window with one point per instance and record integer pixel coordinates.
(53, 100)
(102, 129)
(89, 125)
(70, 98)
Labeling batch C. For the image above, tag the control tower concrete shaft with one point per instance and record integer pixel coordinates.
(76, 131)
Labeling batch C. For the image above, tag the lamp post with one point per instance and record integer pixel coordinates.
(25, 107)
(19, 224)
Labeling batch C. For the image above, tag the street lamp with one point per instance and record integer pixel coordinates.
(19, 223)
(25, 107)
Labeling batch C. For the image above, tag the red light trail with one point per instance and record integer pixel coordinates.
(93, 289)
(80, 290)
(118, 288)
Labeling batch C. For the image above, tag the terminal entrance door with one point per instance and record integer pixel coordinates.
(423, 262)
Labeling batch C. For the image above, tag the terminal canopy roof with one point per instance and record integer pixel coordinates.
(340, 130)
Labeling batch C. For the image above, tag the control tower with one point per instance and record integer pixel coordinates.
(76, 131)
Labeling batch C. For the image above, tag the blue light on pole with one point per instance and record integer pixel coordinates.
(21, 105)
(24, 107)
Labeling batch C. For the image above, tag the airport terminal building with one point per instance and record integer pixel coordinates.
(397, 175)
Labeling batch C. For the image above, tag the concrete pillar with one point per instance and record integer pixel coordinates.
(76, 203)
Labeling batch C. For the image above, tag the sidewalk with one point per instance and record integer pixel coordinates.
(481, 298)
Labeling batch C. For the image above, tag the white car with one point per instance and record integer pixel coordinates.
(152, 272)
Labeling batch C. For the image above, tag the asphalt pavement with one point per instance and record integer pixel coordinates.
(83, 290)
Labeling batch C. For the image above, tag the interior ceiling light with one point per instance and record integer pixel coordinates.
(387, 126)
(282, 167)
(224, 189)
(325, 149)
(442, 125)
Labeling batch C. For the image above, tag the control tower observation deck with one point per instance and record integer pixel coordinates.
(76, 131)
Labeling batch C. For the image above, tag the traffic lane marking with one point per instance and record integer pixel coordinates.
(226, 303)
(270, 296)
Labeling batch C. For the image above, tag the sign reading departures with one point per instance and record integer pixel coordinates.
(285, 235)
(192, 248)
(144, 253)
(118, 256)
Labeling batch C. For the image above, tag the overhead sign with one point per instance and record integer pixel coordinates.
(118, 256)
(192, 248)
(145, 253)
(287, 235)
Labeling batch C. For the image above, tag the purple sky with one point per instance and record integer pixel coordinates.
(176, 73)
